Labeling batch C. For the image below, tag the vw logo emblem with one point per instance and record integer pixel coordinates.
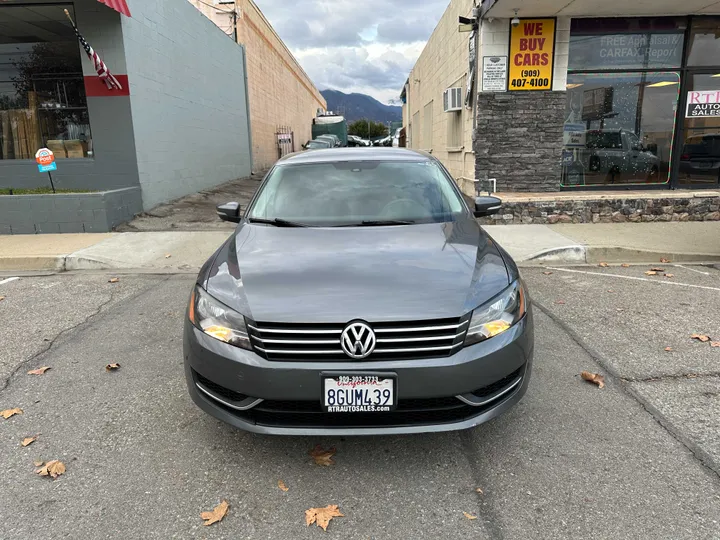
(358, 340)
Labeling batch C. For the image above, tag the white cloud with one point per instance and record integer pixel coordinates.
(366, 46)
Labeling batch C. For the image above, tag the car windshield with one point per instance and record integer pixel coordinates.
(358, 193)
(317, 144)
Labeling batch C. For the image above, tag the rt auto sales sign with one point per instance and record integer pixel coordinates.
(532, 44)
(703, 103)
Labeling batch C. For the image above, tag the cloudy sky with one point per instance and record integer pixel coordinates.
(365, 46)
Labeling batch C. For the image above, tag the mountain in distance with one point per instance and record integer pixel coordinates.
(356, 106)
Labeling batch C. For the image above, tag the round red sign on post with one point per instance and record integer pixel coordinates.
(45, 156)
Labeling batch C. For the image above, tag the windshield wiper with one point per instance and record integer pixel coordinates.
(381, 222)
(278, 222)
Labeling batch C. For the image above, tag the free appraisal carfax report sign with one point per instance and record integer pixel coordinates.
(532, 47)
(703, 103)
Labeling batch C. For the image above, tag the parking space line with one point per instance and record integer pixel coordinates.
(692, 269)
(675, 283)
(8, 280)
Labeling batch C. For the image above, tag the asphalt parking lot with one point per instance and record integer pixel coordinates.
(636, 459)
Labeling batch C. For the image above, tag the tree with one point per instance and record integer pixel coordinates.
(359, 128)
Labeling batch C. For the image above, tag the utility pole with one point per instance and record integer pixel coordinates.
(234, 19)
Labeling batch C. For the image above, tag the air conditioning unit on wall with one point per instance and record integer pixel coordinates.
(452, 99)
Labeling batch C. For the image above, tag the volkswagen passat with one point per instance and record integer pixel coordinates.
(358, 295)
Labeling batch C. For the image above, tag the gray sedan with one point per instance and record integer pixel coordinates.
(358, 295)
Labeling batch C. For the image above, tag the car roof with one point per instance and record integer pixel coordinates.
(333, 155)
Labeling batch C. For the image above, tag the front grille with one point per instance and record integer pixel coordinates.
(295, 342)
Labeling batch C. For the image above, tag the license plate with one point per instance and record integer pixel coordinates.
(358, 393)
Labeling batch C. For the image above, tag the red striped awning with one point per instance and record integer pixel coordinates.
(118, 5)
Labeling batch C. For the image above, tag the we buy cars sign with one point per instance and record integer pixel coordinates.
(45, 160)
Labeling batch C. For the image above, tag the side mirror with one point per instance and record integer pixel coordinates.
(229, 212)
(487, 206)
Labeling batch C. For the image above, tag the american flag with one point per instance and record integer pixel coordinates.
(102, 70)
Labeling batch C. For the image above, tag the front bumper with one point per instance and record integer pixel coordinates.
(457, 392)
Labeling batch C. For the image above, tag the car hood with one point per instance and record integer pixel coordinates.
(426, 271)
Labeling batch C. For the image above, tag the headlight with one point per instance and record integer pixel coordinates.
(498, 315)
(218, 320)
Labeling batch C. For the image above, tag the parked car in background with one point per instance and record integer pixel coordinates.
(355, 141)
(619, 154)
(333, 139)
(396, 138)
(700, 158)
(383, 141)
(316, 144)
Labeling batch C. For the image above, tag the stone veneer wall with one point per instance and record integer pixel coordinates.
(519, 139)
(619, 210)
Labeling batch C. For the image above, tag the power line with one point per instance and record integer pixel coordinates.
(216, 7)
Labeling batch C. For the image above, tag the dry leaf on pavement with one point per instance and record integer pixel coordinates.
(7, 413)
(560, 302)
(38, 371)
(322, 457)
(547, 273)
(625, 265)
(52, 468)
(113, 280)
(657, 269)
(282, 485)
(38, 462)
(595, 378)
(700, 337)
(715, 343)
(322, 516)
(112, 367)
(2, 298)
(479, 490)
(603, 265)
(668, 349)
(669, 275)
(651, 273)
(168, 255)
(664, 260)
(217, 514)
(27, 441)
(469, 516)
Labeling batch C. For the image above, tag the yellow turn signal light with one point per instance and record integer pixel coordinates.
(493, 328)
(219, 332)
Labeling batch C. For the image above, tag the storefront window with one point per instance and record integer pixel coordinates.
(704, 46)
(619, 128)
(42, 93)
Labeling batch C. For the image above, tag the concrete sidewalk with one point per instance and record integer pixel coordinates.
(185, 251)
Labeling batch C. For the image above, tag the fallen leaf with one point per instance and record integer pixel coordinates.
(469, 516)
(669, 275)
(2, 298)
(691, 376)
(657, 269)
(560, 302)
(547, 273)
(38, 463)
(112, 367)
(479, 490)
(625, 265)
(38, 371)
(610, 290)
(168, 256)
(282, 485)
(651, 273)
(664, 260)
(7, 413)
(595, 378)
(715, 343)
(114, 280)
(700, 337)
(603, 265)
(668, 349)
(217, 514)
(322, 457)
(52, 468)
(27, 441)
(322, 516)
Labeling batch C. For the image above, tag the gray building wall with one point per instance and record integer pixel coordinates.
(114, 164)
(518, 139)
(189, 112)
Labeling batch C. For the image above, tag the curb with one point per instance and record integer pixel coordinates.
(579, 254)
(33, 262)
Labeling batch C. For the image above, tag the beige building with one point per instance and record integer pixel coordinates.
(281, 95)
(571, 95)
